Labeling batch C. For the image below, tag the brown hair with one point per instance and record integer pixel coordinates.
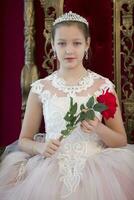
(83, 27)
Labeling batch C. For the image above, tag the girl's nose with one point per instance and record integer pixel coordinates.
(69, 49)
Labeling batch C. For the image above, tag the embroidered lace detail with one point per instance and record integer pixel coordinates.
(108, 85)
(22, 171)
(86, 82)
(59, 83)
(72, 159)
(38, 88)
(45, 95)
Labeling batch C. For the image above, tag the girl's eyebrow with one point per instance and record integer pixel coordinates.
(75, 39)
(61, 39)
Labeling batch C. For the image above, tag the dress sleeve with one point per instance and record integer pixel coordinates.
(37, 88)
(107, 85)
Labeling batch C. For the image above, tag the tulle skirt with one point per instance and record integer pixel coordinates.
(108, 174)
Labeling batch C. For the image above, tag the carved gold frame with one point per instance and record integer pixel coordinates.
(29, 71)
(123, 35)
(127, 21)
(122, 23)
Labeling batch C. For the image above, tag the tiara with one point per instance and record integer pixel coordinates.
(70, 16)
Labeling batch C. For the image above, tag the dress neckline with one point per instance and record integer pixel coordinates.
(79, 82)
(71, 90)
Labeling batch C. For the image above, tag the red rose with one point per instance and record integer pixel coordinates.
(109, 100)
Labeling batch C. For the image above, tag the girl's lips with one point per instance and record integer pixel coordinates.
(69, 58)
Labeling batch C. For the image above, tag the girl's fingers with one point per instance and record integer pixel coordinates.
(53, 147)
(83, 126)
(86, 125)
(47, 154)
(56, 142)
(85, 129)
(50, 151)
(93, 123)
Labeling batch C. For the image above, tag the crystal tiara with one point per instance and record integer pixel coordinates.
(70, 16)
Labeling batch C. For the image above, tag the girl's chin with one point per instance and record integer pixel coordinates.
(71, 65)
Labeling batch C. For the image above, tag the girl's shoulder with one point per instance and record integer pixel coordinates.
(42, 84)
(101, 83)
(42, 81)
(97, 76)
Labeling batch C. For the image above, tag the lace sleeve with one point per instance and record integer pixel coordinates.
(107, 85)
(38, 88)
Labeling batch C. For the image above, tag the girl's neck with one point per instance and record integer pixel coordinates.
(72, 76)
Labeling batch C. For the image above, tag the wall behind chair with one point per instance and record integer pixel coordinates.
(11, 63)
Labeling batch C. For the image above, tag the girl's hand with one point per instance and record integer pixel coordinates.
(47, 149)
(90, 125)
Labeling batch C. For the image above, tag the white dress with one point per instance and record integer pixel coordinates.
(83, 168)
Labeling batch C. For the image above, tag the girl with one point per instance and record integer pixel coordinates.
(87, 164)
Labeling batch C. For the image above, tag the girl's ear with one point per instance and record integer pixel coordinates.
(88, 42)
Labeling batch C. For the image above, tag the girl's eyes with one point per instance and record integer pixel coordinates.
(64, 43)
(77, 43)
(61, 43)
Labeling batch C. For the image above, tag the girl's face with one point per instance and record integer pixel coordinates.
(70, 46)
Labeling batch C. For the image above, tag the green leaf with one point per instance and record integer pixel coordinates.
(82, 106)
(67, 131)
(81, 117)
(73, 109)
(71, 102)
(67, 117)
(90, 102)
(73, 120)
(99, 107)
(90, 114)
(64, 132)
(71, 128)
(68, 126)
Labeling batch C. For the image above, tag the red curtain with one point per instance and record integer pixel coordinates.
(99, 15)
(11, 63)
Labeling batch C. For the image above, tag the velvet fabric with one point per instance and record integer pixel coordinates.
(99, 16)
(11, 63)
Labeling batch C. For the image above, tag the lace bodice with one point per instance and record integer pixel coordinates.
(54, 95)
